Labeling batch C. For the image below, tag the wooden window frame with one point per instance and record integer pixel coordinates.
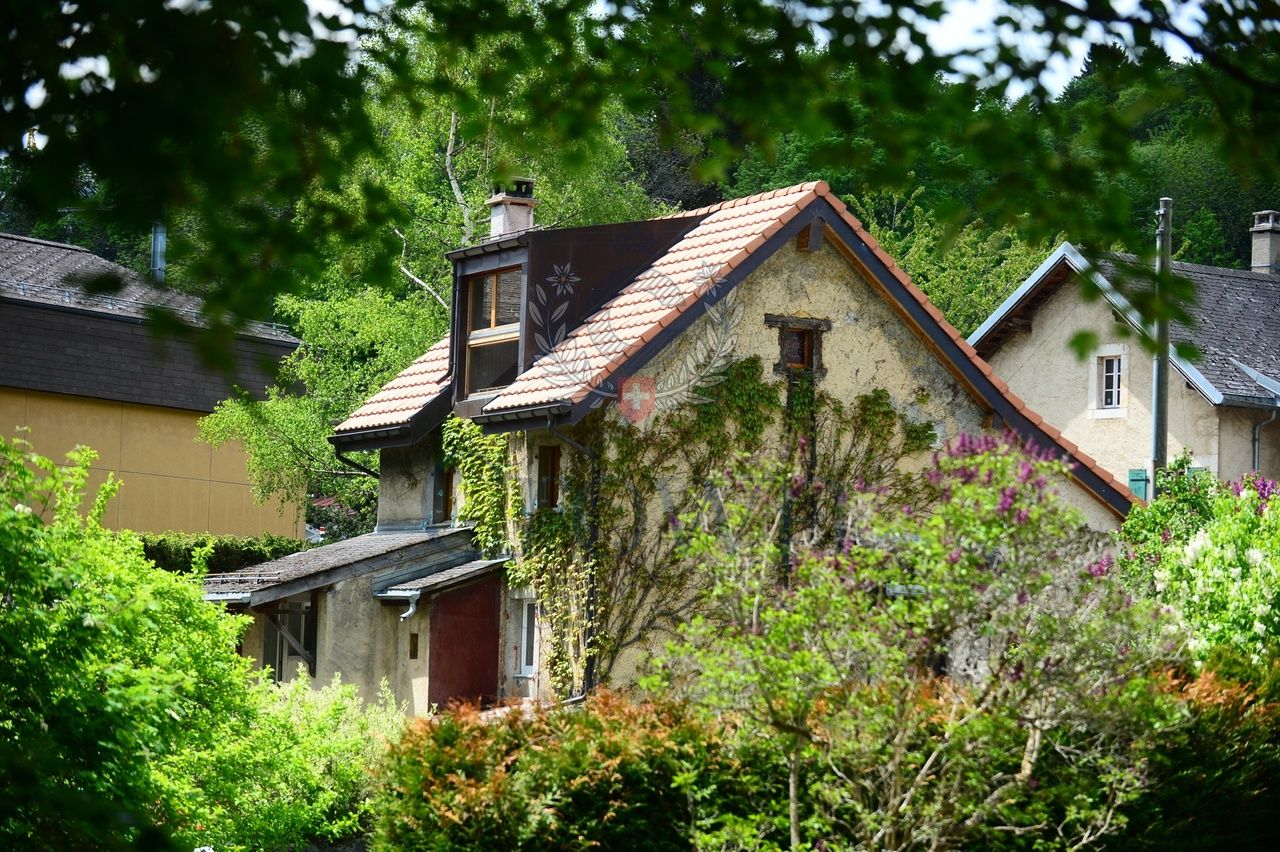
(1117, 400)
(549, 460)
(812, 330)
(489, 335)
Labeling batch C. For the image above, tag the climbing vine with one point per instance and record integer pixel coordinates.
(490, 495)
(617, 531)
(606, 564)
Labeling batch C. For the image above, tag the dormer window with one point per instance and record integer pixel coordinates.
(493, 329)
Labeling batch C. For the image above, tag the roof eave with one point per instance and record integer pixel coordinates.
(490, 246)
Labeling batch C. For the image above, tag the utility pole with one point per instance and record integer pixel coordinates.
(1160, 371)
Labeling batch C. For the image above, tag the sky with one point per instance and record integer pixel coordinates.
(969, 25)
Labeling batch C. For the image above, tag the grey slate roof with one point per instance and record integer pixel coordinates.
(397, 556)
(53, 274)
(1236, 316)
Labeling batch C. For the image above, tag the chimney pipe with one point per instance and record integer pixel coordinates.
(1160, 371)
(1266, 242)
(158, 238)
(511, 208)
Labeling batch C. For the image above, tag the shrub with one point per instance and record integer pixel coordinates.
(1211, 552)
(175, 551)
(109, 664)
(611, 774)
(939, 678)
(1215, 778)
(298, 769)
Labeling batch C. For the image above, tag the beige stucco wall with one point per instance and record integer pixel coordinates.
(1040, 367)
(365, 640)
(171, 479)
(869, 346)
(406, 483)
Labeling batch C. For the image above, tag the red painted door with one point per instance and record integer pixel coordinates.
(463, 654)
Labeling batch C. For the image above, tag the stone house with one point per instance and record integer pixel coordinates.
(1221, 405)
(620, 323)
(85, 369)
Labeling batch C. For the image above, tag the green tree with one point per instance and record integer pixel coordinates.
(262, 107)
(110, 665)
(351, 345)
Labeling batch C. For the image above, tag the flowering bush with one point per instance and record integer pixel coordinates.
(958, 675)
(1224, 582)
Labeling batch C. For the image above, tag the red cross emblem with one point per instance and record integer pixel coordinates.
(636, 397)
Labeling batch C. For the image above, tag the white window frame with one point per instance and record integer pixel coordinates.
(1110, 352)
(528, 637)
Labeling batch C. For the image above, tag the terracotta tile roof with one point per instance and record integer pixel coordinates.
(726, 236)
(403, 396)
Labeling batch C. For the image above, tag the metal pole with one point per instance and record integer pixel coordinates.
(1160, 371)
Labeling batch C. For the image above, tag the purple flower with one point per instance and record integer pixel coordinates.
(1102, 566)
(1006, 499)
(1020, 517)
(953, 557)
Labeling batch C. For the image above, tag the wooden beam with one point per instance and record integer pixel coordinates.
(810, 237)
(306, 655)
(1020, 323)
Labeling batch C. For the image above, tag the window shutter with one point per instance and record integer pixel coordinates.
(1138, 482)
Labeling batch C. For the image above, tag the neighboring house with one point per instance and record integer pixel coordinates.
(1222, 406)
(628, 319)
(86, 369)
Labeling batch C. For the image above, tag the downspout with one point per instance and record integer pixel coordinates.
(1257, 436)
(593, 535)
(413, 606)
(1160, 371)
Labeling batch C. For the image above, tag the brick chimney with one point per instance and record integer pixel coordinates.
(1266, 242)
(511, 209)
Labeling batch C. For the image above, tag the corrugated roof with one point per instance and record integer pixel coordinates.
(448, 577)
(49, 273)
(406, 394)
(306, 563)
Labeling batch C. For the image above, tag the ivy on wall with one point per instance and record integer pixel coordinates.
(605, 565)
(490, 497)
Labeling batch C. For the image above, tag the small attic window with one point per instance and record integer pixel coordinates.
(493, 329)
(799, 344)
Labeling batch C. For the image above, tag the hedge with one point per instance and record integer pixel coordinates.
(174, 551)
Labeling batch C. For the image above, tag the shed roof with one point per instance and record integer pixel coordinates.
(393, 556)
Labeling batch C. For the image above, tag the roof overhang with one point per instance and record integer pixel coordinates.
(420, 424)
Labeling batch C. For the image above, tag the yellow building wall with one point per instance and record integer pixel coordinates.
(171, 480)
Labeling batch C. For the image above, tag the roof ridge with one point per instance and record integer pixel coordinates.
(728, 204)
(40, 242)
